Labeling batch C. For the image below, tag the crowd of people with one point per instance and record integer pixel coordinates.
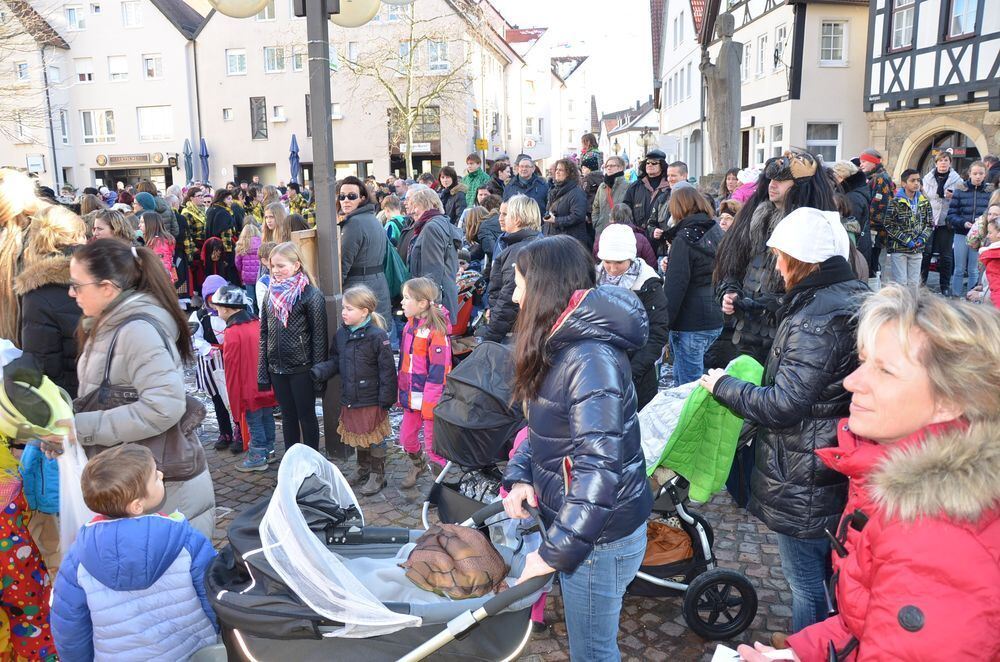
(873, 430)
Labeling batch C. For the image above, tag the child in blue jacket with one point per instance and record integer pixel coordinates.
(132, 585)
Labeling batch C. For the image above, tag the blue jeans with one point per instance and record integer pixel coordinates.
(261, 425)
(805, 562)
(688, 351)
(966, 266)
(592, 596)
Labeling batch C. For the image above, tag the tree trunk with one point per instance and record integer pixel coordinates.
(408, 156)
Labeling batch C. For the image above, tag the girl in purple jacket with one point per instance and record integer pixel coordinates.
(247, 262)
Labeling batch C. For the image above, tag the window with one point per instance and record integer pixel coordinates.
(824, 139)
(75, 18)
(529, 126)
(117, 67)
(541, 133)
(689, 77)
(309, 126)
(64, 126)
(833, 43)
(962, 18)
(404, 55)
(902, 24)
(98, 126)
(759, 146)
(267, 13)
(569, 137)
(680, 28)
(155, 123)
(55, 75)
(152, 67)
(258, 118)
(747, 53)
(236, 62)
(335, 111)
(670, 91)
(131, 14)
(437, 56)
(84, 69)
(298, 58)
(761, 54)
(777, 140)
(227, 114)
(21, 71)
(95, 8)
(274, 59)
(569, 105)
(334, 58)
(353, 48)
(22, 127)
(676, 37)
(780, 37)
(390, 13)
(278, 114)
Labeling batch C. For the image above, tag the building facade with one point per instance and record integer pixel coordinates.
(932, 80)
(678, 97)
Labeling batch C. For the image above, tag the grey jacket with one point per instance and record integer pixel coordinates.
(601, 211)
(433, 255)
(142, 361)
(362, 250)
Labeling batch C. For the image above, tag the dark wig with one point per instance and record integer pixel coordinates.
(553, 269)
(734, 252)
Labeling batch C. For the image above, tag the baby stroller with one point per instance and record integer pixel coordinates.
(303, 578)
(474, 426)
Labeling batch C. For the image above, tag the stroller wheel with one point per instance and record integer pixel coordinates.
(720, 604)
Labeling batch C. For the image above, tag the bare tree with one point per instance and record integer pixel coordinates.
(423, 66)
(28, 46)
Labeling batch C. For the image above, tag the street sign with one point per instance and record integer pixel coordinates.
(482, 144)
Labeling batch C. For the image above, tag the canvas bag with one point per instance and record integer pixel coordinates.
(177, 451)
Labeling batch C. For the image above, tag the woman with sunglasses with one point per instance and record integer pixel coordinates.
(362, 242)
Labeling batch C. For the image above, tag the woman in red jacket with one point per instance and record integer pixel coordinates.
(916, 554)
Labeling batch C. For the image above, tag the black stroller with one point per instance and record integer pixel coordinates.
(250, 584)
(474, 427)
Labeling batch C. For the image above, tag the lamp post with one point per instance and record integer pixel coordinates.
(616, 148)
(646, 138)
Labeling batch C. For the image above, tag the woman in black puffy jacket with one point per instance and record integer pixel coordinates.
(801, 399)
(582, 464)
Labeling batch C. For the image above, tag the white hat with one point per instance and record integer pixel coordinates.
(617, 243)
(748, 175)
(812, 236)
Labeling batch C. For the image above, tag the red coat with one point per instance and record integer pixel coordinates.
(240, 353)
(921, 579)
(990, 257)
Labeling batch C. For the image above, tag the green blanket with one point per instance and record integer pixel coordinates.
(703, 444)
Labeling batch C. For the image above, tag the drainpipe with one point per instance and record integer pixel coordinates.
(197, 93)
(52, 132)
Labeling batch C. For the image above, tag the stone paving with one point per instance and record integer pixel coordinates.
(651, 628)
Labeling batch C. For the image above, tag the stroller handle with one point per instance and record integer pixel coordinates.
(479, 517)
(522, 590)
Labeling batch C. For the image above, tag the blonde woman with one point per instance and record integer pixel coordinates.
(276, 227)
(269, 196)
(112, 224)
(292, 340)
(432, 251)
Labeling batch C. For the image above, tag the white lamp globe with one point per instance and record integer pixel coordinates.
(238, 8)
(355, 13)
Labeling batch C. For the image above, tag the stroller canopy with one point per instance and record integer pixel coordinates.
(475, 420)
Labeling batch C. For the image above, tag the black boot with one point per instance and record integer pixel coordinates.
(361, 474)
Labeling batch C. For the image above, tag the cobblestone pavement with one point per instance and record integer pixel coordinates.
(652, 629)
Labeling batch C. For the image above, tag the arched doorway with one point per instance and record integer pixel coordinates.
(963, 151)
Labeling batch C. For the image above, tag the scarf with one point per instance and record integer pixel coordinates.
(418, 226)
(363, 323)
(609, 180)
(941, 178)
(284, 294)
(626, 279)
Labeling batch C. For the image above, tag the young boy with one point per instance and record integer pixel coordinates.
(132, 585)
(908, 226)
(239, 356)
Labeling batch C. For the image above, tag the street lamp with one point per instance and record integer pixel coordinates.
(647, 139)
(616, 148)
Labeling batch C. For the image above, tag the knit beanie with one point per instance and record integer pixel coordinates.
(617, 243)
(146, 201)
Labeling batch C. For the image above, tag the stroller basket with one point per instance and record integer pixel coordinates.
(474, 421)
(263, 618)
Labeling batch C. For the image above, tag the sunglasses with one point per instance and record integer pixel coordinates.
(348, 196)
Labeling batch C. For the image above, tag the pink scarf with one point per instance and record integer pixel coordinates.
(284, 294)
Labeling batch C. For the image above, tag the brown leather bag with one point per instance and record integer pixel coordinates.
(177, 451)
(665, 544)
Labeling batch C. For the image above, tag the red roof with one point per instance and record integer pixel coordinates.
(519, 36)
(698, 14)
(656, 29)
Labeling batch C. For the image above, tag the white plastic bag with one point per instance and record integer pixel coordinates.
(311, 570)
(658, 420)
(73, 512)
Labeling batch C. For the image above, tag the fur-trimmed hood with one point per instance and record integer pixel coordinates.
(956, 473)
(52, 270)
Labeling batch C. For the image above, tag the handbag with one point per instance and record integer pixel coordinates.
(177, 450)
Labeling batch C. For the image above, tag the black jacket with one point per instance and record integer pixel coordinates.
(503, 310)
(453, 201)
(363, 359)
(300, 345)
(219, 223)
(649, 211)
(649, 289)
(49, 317)
(688, 285)
(859, 197)
(567, 204)
(583, 455)
(800, 401)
